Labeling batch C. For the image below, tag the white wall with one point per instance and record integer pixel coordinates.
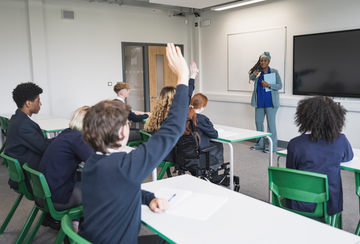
(80, 55)
(300, 17)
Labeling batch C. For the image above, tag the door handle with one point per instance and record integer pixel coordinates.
(153, 97)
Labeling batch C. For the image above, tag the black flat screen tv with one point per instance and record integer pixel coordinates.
(327, 64)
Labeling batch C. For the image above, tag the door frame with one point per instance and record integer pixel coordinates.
(146, 66)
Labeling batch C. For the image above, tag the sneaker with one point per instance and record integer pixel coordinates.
(266, 150)
(253, 148)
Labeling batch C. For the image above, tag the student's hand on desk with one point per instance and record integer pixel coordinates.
(148, 113)
(158, 205)
(177, 64)
(193, 70)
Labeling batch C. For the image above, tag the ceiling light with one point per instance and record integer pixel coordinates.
(235, 5)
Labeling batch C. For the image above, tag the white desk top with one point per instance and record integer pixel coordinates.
(351, 165)
(55, 124)
(240, 219)
(233, 134)
(35, 117)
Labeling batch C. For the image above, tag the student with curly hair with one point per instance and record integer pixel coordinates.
(320, 148)
(163, 104)
(164, 100)
(265, 100)
(25, 140)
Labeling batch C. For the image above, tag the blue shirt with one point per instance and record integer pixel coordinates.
(263, 98)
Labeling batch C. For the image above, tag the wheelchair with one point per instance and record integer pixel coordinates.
(206, 163)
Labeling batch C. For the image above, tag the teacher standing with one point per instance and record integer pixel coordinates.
(265, 101)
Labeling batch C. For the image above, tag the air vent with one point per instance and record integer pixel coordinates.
(66, 14)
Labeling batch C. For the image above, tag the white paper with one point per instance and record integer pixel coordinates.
(191, 205)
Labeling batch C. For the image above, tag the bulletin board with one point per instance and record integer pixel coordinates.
(244, 50)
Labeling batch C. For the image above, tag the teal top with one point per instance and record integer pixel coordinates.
(273, 87)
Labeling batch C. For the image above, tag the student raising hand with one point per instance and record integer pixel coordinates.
(193, 70)
(177, 63)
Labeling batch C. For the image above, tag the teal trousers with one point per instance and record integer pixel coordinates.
(271, 126)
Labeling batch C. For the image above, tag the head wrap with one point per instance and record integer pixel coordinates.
(266, 55)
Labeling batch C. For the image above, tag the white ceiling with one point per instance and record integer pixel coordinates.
(199, 4)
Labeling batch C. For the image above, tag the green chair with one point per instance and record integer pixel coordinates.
(302, 186)
(164, 165)
(134, 143)
(66, 227)
(3, 125)
(357, 189)
(41, 190)
(17, 175)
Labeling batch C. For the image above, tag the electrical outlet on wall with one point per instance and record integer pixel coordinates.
(109, 83)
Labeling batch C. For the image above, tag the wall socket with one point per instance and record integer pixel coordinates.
(109, 83)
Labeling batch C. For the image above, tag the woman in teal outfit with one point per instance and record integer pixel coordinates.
(265, 101)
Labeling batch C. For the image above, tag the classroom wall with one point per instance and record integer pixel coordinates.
(73, 60)
(300, 17)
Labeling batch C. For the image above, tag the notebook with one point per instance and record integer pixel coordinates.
(189, 204)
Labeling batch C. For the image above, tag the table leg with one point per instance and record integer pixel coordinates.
(270, 161)
(154, 175)
(231, 156)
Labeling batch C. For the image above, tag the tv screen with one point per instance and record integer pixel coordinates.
(327, 64)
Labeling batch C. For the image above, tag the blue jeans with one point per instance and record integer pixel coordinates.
(271, 126)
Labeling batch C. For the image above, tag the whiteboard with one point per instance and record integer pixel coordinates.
(244, 50)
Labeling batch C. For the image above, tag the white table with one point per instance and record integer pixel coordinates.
(241, 219)
(352, 165)
(228, 135)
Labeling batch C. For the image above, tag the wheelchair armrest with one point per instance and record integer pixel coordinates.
(208, 149)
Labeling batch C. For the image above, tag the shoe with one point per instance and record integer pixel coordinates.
(266, 150)
(52, 223)
(253, 148)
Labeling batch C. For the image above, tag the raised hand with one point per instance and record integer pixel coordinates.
(193, 70)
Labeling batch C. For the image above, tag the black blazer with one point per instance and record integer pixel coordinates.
(25, 142)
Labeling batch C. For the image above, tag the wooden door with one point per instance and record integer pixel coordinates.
(157, 58)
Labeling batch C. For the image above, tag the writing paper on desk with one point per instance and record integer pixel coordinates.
(189, 204)
(271, 79)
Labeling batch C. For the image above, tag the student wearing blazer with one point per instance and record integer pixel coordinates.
(265, 102)
(25, 140)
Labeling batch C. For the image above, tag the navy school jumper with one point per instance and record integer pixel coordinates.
(111, 184)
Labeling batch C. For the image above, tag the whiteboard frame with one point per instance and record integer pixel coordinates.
(228, 59)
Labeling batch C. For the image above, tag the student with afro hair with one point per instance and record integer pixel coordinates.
(320, 148)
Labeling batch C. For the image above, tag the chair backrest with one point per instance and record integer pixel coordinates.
(357, 184)
(41, 190)
(299, 185)
(16, 174)
(66, 226)
(144, 136)
(4, 125)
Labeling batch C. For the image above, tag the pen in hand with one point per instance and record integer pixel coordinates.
(172, 197)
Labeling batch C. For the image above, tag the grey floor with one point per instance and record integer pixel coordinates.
(251, 166)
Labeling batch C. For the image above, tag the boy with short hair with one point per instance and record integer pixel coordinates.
(25, 140)
(111, 179)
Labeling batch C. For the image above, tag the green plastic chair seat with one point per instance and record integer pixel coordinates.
(66, 227)
(134, 143)
(302, 186)
(164, 165)
(41, 190)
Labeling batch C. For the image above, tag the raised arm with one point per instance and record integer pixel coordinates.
(149, 155)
